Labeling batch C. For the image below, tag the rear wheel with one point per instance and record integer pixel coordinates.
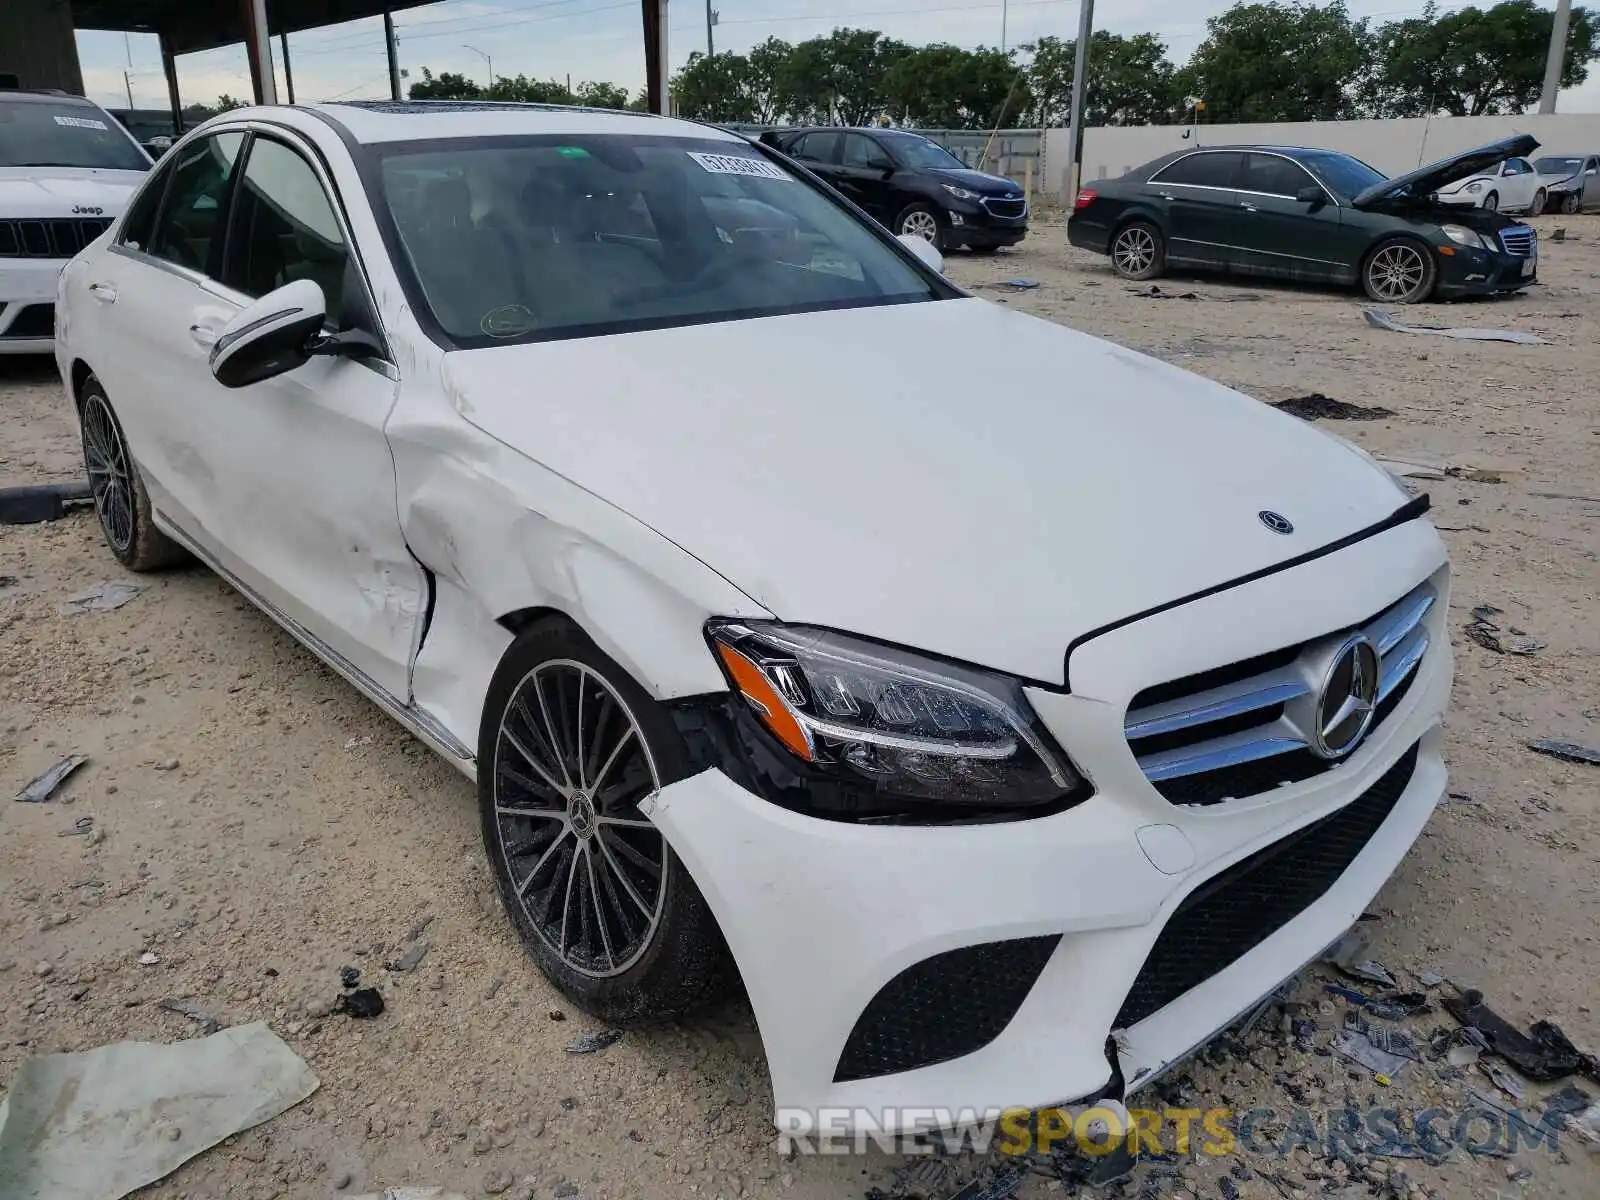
(1138, 251)
(120, 501)
(1399, 271)
(569, 749)
(1569, 203)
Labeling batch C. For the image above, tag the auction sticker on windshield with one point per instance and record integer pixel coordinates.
(81, 122)
(736, 164)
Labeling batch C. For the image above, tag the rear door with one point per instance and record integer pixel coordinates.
(1200, 197)
(1281, 235)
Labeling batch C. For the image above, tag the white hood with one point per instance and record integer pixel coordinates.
(951, 476)
(39, 192)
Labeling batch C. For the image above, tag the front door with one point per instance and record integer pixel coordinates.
(302, 484)
(864, 173)
(1281, 235)
(1199, 195)
(1518, 183)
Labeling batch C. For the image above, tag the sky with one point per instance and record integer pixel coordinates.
(602, 40)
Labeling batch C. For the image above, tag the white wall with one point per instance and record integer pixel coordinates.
(1393, 146)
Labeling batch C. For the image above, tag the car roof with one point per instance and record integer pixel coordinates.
(46, 97)
(370, 121)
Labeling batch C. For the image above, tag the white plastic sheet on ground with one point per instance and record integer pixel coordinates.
(1379, 319)
(100, 1123)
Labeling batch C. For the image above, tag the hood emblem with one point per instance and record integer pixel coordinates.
(1349, 696)
(93, 211)
(1276, 522)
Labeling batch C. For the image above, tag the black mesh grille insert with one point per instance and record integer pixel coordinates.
(943, 1007)
(1234, 912)
(33, 321)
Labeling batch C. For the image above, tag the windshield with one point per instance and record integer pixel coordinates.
(42, 133)
(914, 151)
(1347, 176)
(525, 239)
(1558, 166)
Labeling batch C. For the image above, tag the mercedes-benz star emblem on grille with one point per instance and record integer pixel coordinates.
(1347, 700)
(1276, 522)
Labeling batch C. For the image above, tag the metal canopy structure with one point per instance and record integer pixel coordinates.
(185, 27)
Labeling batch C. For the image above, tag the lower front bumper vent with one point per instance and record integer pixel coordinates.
(1234, 912)
(943, 1007)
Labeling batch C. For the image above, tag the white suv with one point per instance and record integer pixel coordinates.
(67, 168)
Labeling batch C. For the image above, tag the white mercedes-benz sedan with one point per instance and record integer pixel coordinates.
(1007, 709)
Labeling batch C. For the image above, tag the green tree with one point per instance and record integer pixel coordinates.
(946, 87)
(766, 68)
(521, 89)
(1131, 81)
(196, 113)
(839, 77)
(1473, 62)
(1280, 61)
(446, 85)
(714, 87)
(602, 95)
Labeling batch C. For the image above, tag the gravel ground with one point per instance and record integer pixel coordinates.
(259, 825)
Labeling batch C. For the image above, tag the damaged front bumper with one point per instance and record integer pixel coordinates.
(894, 969)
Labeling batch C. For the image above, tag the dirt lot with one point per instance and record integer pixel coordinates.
(263, 825)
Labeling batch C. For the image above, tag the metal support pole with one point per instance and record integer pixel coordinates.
(169, 67)
(711, 46)
(258, 45)
(1556, 60)
(664, 68)
(1080, 87)
(394, 57)
(288, 72)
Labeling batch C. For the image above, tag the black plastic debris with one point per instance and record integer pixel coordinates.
(1567, 751)
(43, 787)
(41, 502)
(555, 1014)
(1316, 406)
(349, 976)
(1228, 1188)
(1570, 1099)
(1002, 1185)
(1352, 955)
(363, 1004)
(590, 1043)
(1155, 292)
(1543, 1054)
(1486, 632)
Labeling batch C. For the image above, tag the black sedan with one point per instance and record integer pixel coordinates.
(912, 185)
(1294, 213)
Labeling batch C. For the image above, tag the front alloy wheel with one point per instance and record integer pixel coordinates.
(920, 222)
(569, 749)
(1399, 272)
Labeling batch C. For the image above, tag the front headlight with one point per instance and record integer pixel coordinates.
(1472, 189)
(1464, 236)
(893, 725)
(960, 193)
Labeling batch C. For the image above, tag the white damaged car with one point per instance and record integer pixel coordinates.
(67, 168)
(968, 725)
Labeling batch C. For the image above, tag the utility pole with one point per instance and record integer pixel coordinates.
(1004, 5)
(711, 19)
(288, 71)
(485, 58)
(1080, 87)
(1557, 58)
(391, 50)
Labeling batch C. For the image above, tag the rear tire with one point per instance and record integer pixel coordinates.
(1399, 271)
(568, 747)
(1569, 203)
(1139, 252)
(120, 500)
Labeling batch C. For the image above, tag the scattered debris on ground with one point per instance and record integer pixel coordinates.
(1155, 292)
(1316, 406)
(589, 1043)
(1544, 1054)
(35, 503)
(1379, 319)
(101, 1123)
(99, 597)
(1486, 632)
(1566, 751)
(410, 960)
(194, 1010)
(363, 1004)
(40, 789)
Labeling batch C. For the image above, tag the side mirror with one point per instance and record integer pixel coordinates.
(925, 250)
(1310, 194)
(274, 335)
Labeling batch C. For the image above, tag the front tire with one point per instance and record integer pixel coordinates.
(1399, 271)
(1537, 207)
(1491, 202)
(568, 748)
(919, 220)
(120, 500)
(1139, 252)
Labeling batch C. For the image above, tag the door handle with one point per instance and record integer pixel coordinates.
(203, 335)
(103, 292)
(1168, 196)
(1247, 206)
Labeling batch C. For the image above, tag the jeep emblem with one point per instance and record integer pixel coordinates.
(86, 210)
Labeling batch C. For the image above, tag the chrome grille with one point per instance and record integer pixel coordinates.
(1518, 240)
(1010, 209)
(59, 238)
(1196, 738)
